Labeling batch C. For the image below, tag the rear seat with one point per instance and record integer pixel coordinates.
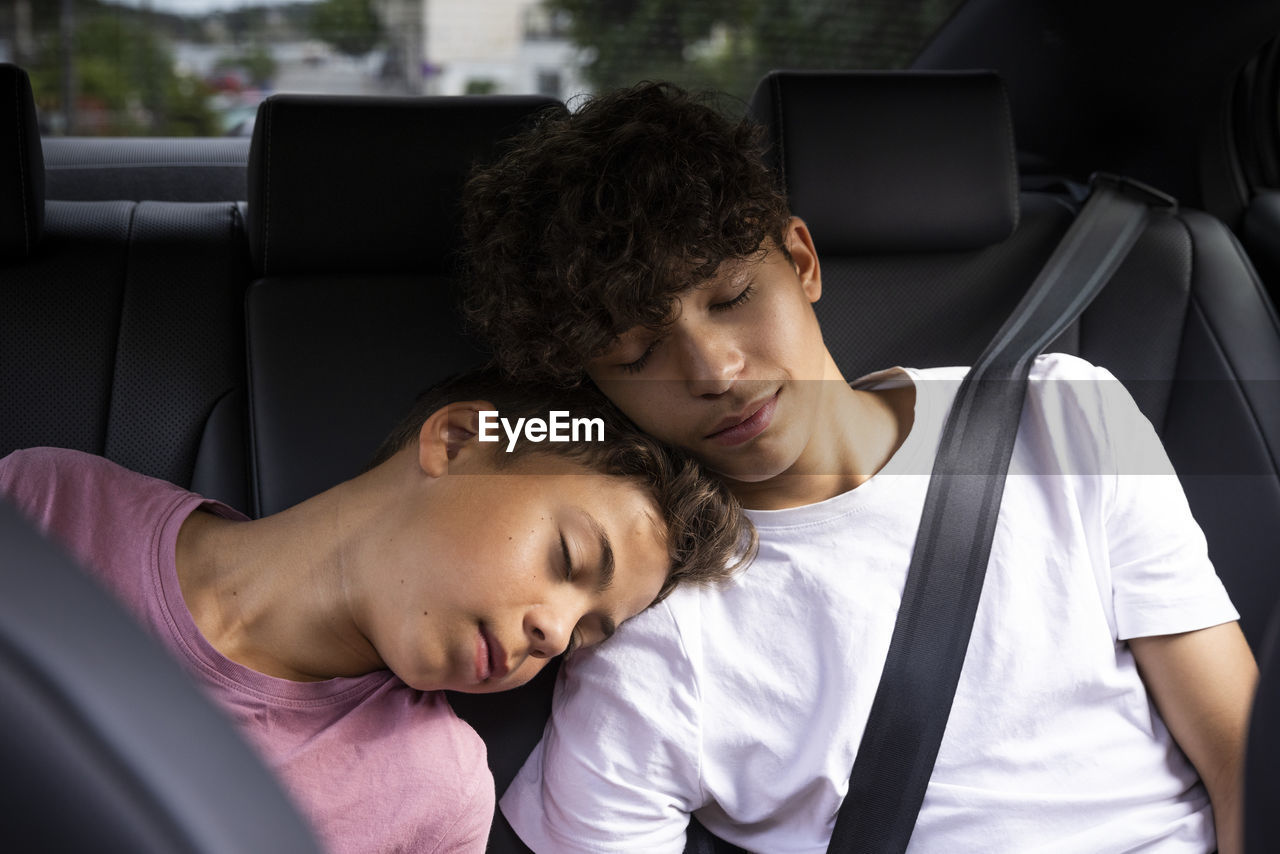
(121, 325)
(908, 183)
(121, 330)
(353, 222)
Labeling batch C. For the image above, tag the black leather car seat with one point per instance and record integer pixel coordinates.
(121, 322)
(908, 183)
(353, 224)
(353, 213)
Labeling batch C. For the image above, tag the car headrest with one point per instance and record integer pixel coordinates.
(893, 161)
(369, 185)
(22, 173)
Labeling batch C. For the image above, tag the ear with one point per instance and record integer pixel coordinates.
(804, 258)
(448, 433)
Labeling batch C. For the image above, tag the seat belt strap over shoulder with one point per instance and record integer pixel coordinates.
(944, 582)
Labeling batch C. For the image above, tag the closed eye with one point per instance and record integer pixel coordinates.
(743, 296)
(568, 561)
(638, 364)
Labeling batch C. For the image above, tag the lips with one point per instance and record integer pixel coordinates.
(491, 658)
(746, 424)
(484, 663)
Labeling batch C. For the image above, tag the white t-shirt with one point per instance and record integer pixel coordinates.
(745, 702)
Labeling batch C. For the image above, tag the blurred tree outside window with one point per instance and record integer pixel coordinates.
(351, 26)
(125, 81)
(728, 45)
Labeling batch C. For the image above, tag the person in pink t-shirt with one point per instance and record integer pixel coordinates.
(329, 630)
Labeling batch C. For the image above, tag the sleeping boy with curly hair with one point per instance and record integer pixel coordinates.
(641, 245)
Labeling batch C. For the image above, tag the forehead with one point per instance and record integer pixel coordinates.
(573, 483)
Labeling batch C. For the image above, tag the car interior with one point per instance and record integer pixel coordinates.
(247, 319)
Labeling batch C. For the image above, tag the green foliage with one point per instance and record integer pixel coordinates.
(125, 79)
(349, 25)
(729, 44)
(481, 86)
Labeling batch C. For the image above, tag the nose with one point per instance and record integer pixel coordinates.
(712, 360)
(549, 630)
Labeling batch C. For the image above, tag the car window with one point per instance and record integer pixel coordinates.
(200, 67)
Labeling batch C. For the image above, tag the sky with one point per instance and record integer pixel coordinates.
(200, 7)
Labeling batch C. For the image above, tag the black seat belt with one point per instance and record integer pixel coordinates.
(944, 582)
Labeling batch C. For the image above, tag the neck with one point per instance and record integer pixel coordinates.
(277, 594)
(855, 434)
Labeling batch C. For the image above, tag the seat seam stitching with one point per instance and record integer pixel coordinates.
(1212, 333)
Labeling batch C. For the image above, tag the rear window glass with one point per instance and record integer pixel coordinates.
(200, 67)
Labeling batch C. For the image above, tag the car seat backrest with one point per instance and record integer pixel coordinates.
(122, 326)
(353, 213)
(927, 262)
(908, 184)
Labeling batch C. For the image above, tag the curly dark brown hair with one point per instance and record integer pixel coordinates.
(593, 221)
(708, 536)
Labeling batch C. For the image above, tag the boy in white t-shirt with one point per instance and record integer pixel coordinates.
(640, 242)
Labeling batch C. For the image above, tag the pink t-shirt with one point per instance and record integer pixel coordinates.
(375, 765)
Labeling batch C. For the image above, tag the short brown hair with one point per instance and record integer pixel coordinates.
(593, 221)
(708, 536)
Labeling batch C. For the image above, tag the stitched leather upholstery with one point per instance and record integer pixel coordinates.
(123, 326)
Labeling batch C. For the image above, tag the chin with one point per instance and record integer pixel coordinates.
(493, 686)
(758, 468)
(746, 477)
(482, 687)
